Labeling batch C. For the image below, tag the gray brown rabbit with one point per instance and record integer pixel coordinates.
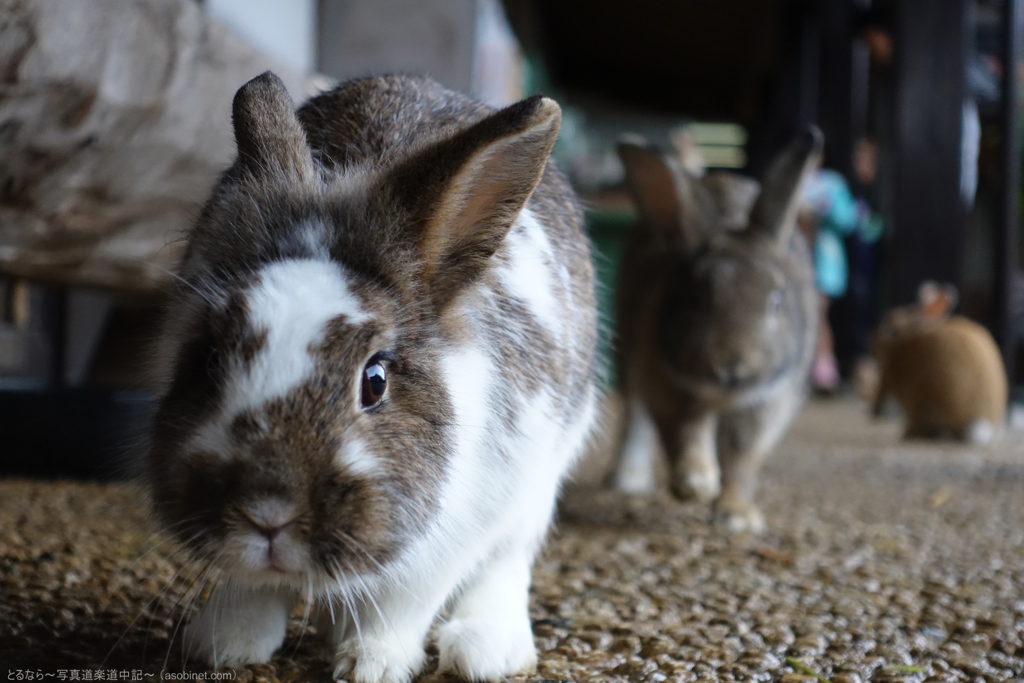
(716, 326)
(380, 365)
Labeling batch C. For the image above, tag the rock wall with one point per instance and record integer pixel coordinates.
(114, 124)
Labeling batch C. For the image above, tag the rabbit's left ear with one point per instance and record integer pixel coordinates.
(271, 142)
(673, 204)
(774, 212)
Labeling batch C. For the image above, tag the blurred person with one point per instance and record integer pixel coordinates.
(833, 219)
(856, 315)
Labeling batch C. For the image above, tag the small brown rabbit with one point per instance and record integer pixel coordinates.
(716, 325)
(945, 371)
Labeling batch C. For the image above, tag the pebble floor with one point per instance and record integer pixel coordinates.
(885, 561)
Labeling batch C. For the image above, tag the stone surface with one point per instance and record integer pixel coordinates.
(114, 124)
(866, 574)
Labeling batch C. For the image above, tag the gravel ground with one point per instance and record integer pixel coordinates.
(884, 562)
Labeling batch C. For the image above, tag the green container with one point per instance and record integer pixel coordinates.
(607, 230)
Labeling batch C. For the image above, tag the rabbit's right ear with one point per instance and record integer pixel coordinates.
(466, 190)
(669, 200)
(774, 212)
(936, 301)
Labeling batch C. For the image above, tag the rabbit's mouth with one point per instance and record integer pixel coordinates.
(279, 555)
(736, 379)
(735, 389)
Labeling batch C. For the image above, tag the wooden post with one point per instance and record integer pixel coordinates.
(836, 106)
(929, 215)
(1007, 263)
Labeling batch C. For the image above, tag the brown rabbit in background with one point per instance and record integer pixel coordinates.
(945, 371)
(716, 327)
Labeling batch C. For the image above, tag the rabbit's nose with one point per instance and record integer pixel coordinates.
(270, 516)
(270, 532)
(731, 372)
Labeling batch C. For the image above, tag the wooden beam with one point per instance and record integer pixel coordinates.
(929, 215)
(1007, 260)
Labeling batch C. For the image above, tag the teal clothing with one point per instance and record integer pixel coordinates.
(830, 267)
(839, 215)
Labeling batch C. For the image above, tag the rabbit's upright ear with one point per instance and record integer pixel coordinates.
(670, 201)
(466, 191)
(936, 301)
(775, 210)
(271, 142)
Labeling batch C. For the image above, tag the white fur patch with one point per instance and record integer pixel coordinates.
(635, 471)
(355, 458)
(528, 275)
(495, 505)
(542, 447)
(467, 374)
(291, 303)
(979, 432)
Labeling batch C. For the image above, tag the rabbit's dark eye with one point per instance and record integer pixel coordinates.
(375, 381)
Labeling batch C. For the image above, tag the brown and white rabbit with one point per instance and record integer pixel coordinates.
(716, 326)
(382, 363)
(945, 371)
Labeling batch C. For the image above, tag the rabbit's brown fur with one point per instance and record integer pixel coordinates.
(716, 325)
(389, 225)
(945, 371)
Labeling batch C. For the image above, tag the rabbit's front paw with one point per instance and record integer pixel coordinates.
(237, 627)
(634, 478)
(738, 516)
(237, 648)
(702, 485)
(482, 648)
(378, 659)
(635, 473)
